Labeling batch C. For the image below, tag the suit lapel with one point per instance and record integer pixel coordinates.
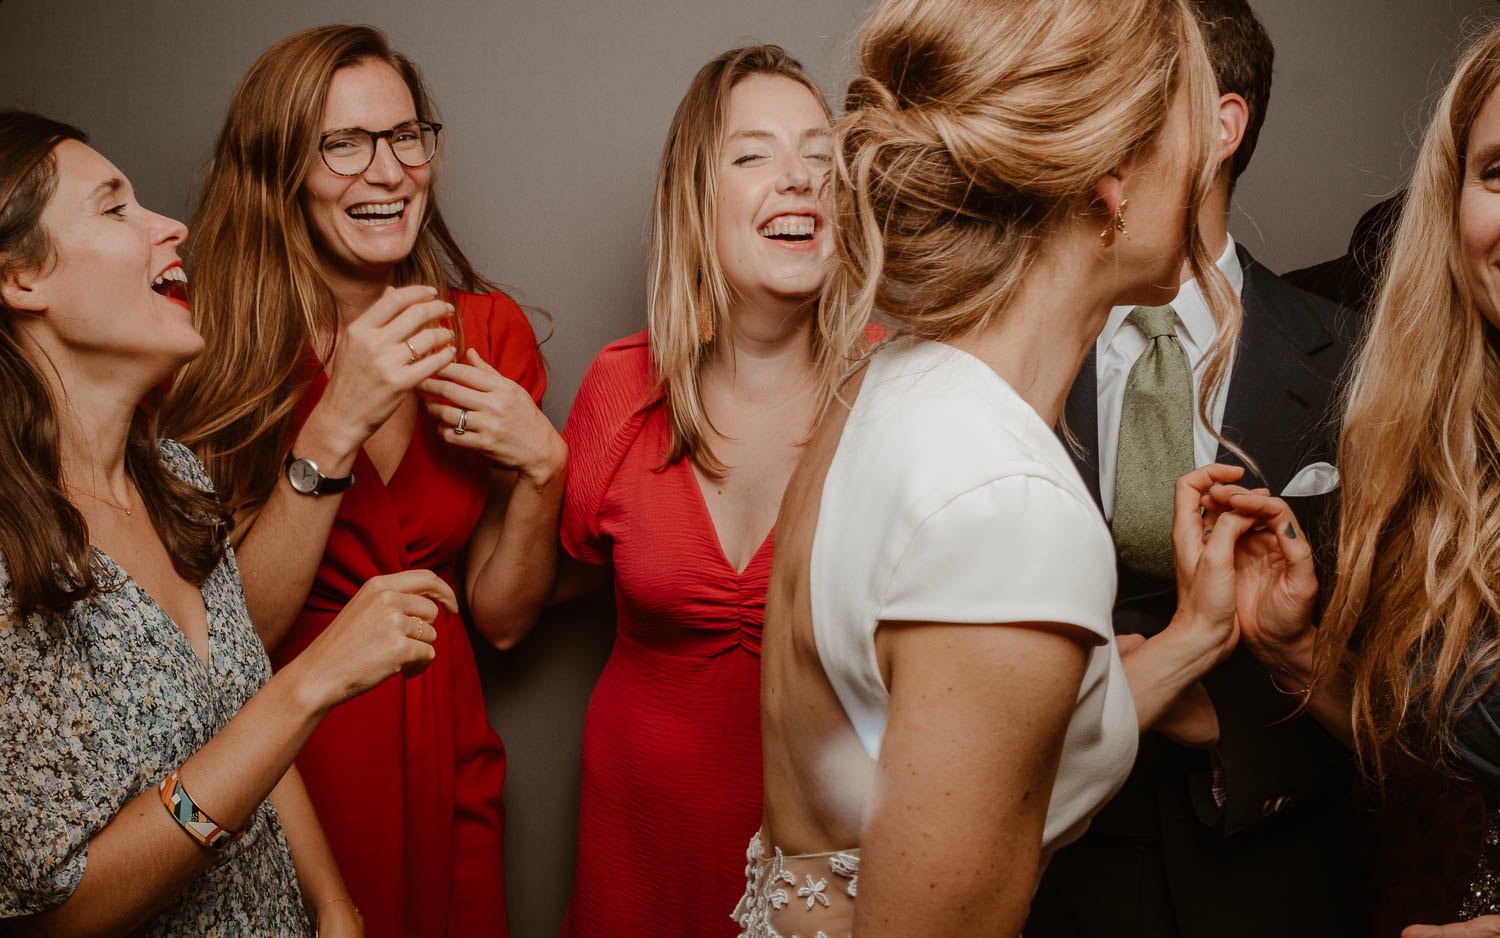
(1081, 416)
(1276, 393)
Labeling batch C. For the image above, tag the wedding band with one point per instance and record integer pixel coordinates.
(463, 422)
(413, 359)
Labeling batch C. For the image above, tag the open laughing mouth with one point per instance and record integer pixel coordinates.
(375, 214)
(793, 228)
(172, 284)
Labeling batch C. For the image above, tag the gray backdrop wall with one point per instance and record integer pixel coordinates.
(554, 115)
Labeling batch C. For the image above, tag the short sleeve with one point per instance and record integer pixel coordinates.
(495, 325)
(46, 814)
(608, 412)
(1017, 549)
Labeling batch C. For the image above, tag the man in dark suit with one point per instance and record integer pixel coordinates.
(1234, 820)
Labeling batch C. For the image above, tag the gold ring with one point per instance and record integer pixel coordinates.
(413, 359)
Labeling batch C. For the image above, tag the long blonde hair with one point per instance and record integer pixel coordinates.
(1414, 614)
(258, 293)
(974, 128)
(688, 296)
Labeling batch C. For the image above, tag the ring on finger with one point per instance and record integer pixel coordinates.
(463, 422)
(413, 351)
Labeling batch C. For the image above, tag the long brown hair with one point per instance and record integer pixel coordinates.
(1414, 614)
(688, 295)
(972, 129)
(258, 294)
(44, 539)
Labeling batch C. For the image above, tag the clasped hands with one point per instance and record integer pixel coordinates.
(401, 344)
(1244, 572)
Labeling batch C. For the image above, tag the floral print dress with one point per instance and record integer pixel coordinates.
(96, 707)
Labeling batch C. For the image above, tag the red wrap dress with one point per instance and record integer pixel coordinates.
(407, 778)
(671, 788)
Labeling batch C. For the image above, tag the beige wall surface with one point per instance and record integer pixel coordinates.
(554, 114)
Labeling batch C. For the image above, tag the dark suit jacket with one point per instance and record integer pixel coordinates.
(1163, 858)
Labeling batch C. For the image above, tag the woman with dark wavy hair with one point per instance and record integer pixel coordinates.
(331, 293)
(130, 674)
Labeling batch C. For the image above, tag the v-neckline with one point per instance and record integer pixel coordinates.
(708, 518)
(206, 662)
(374, 470)
(411, 439)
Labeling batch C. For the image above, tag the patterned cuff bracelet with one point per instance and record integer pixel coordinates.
(198, 825)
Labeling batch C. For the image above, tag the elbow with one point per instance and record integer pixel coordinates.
(506, 632)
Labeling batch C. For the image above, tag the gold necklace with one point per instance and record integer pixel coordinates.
(129, 508)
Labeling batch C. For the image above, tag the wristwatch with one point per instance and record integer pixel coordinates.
(308, 479)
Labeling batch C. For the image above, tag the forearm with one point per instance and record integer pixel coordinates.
(1162, 668)
(512, 570)
(323, 892)
(143, 858)
(279, 556)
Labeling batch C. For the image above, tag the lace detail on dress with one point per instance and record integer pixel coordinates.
(820, 909)
(1483, 895)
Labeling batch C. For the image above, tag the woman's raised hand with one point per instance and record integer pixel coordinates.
(478, 408)
(386, 629)
(383, 355)
(1203, 545)
(1275, 582)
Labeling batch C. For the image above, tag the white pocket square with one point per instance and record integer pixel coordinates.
(1319, 478)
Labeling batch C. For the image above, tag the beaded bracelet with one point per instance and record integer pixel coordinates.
(198, 825)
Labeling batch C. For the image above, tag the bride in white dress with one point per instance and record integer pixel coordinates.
(943, 704)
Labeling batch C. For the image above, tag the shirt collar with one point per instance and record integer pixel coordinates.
(1191, 308)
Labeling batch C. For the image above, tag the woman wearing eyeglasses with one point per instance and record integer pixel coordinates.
(367, 404)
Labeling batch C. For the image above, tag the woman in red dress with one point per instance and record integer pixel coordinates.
(682, 439)
(331, 293)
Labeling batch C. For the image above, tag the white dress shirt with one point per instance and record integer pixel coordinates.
(1122, 342)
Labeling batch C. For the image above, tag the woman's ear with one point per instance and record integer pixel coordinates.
(1110, 188)
(18, 291)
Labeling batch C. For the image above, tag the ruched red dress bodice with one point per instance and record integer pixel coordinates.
(406, 779)
(671, 743)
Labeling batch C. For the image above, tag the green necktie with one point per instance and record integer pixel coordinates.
(1156, 444)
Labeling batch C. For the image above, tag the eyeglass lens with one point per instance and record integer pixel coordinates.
(350, 152)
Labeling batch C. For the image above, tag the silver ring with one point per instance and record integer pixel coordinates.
(463, 421)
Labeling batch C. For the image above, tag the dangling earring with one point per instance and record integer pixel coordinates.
(705, 312)
(1116, 226)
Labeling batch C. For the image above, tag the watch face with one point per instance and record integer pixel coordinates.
(304, 476)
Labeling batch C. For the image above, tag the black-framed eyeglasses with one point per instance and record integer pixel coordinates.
(350, 151)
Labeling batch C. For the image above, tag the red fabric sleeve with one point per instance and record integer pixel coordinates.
(497, 327)
(611, 406)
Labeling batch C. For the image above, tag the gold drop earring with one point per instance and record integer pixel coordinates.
(1115, 227)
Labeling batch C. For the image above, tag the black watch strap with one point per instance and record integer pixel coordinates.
(307, 479)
